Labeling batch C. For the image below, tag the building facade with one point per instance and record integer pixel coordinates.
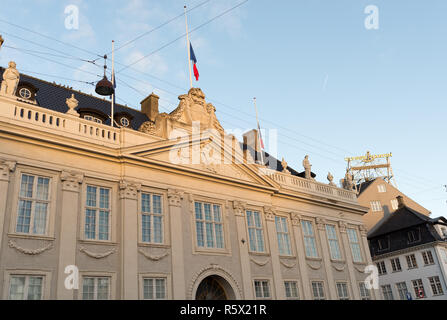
(410, 252)
(91, 211)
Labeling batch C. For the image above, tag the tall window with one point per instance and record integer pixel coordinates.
(97, 213)
(309, 239)
(291, 289)
(413, 236)
(255, 232)
(395, 264)
(428, 257)
(364, 292)
(342, 291)
(381, 267)
(418, 287)
(96, 288)
(411, 261)
(318, 290)
(436, 286)
(402, 289)
(387, 292)
(209, 225)
(381, 188)
(23, 287)
(154, 288)
(262, 289)
(394, 204)
(355, 245)
(151, 218)
(334, 246)
(33, 205)
(376, 206)
(282, 233)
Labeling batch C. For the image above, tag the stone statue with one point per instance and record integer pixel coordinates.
(307, 167)
(11, 79)
(72, 103)
(330, 178)
(348, 181)
(1, 41)
(284, 166)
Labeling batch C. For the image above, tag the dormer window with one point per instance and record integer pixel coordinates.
(92, 118)
(124, 122)
(25, 93)
(413, 236)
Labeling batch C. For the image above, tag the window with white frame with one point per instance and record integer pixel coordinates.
(95, 288)
(282, 233)
(394, 204)
(318, 290)
(154, 288)
(33, 206)
(97, 213)
(25, 287)
(355, 245)
(209, 225)
(291, 288)
(402, 290)
(436, 286)
(151, 218)
(381, 188)
(376, 206)
(92, 118)
(255, 232)
(418, 287)
(381, 267)
(262, 289)
(411, 261)
(395, 265)
(387, 292)
(428, 257)
(309, 239)
(342, 291)
(334, 246)
(364, 292)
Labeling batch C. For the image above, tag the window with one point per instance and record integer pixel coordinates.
(124, 122)
(411, 261)
(355, 245)
(387, 292)
(151, 218)
(342, 291)
(95, 288)
(255, 232)
(383, 244)
(33, 205)
(402, 289)
(282, 233)
(381, 188)
(395, 264)
(436, 286)
(376, 206)
(97, 213)
(209, 225)
(309, 239)
(25, 93)
(394, 204)
(291, 289)
(154, 288)
(381, 267)
(364, 292)
(428, 257)
(334, 247)
(318, 290)
(413, 236)
(23, 287)
(262, 289)
(418, 288)
(92, 118)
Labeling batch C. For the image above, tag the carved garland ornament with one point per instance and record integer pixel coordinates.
(340, 269)
(153, 257)
(14, 245)
(314, 267)
(97, 255)
(285, 264)
(260, 263)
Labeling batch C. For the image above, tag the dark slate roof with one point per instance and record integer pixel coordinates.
(402, 218)
(52, 96)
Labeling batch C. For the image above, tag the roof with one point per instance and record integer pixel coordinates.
(52, 96)
(363, 186)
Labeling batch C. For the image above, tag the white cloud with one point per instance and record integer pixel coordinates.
(154, 64)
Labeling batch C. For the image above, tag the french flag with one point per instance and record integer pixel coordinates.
(194, 60)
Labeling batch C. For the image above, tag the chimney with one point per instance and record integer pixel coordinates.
(400, 201)
(149, 106)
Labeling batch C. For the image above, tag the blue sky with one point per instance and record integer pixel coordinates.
(329, 86)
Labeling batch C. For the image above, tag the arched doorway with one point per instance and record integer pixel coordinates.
(214, 288)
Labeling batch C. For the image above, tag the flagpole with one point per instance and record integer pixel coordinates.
(188, 48)
(113, 82)
(259, 130)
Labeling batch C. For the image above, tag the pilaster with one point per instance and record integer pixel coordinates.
(6, 168)
(349, 260)
(332, 292)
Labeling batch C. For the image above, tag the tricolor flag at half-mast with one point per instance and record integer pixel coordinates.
(194, 60)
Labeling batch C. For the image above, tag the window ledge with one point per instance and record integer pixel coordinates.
(98, 242)
(338, 261)
(154, 245)
(31, 236)
(360, 263)
(314, 259)
(259, 253)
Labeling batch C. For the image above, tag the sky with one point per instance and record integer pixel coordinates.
(328, 84)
